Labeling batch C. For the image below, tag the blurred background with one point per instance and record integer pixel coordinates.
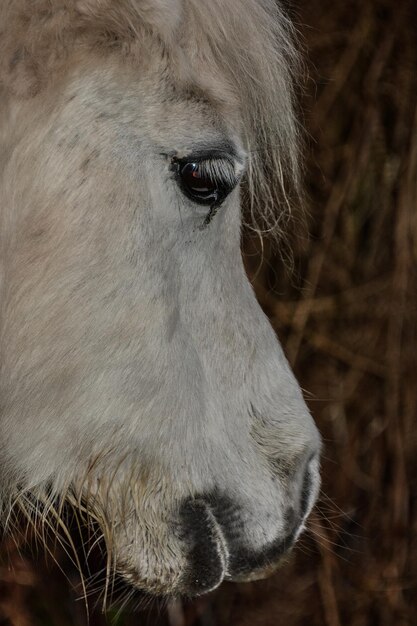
(346, 313)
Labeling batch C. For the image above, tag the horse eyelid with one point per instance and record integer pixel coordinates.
(222, 168)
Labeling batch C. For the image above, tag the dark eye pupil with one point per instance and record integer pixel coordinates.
(205, 181)
(196, 181)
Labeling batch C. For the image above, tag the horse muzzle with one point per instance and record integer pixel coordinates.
(217, 532)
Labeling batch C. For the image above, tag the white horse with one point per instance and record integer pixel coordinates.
(139, 378)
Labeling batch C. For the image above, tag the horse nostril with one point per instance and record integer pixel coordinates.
(309, 488)
(306, 493)
(292, 520)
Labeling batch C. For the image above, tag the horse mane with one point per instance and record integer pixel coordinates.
(247, 42)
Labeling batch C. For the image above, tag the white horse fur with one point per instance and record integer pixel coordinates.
(139, 377)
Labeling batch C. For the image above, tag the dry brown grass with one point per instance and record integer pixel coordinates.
(348, 320)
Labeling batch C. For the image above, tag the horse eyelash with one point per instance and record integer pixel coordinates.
(221, 170)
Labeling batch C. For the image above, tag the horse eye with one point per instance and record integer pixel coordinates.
(203, 183)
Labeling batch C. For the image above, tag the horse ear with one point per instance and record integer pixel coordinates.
(161, 16)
